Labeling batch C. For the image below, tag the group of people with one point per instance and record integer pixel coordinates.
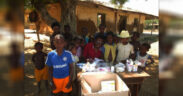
(67, 50)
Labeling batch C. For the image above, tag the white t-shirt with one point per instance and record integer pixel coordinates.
(143, 59)
(124, 51)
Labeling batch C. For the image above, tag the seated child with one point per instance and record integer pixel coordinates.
(109, 48)
(124, 48)
(41, 70)
(77, 42)
(92, 50)
(142, 55)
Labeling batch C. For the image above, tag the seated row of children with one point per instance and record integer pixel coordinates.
(111, 51)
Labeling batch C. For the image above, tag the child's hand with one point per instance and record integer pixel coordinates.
(68, 85)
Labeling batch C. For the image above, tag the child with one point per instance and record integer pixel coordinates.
(77, 42)
(82, 44)
(142, 55)
(41, 70)
(101, 32)
(85, 36)
(92, 50)
(135, 42)
(67, 33)
(124, 48)
(60, 63)
(109, 48)
(73, 49)
(56, 30)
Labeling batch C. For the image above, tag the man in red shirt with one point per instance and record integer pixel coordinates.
(92, 50)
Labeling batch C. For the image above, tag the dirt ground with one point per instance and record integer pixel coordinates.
(149, 87)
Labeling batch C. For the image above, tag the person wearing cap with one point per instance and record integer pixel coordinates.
(124, 48)
(60, 63)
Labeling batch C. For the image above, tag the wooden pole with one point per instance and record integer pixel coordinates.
(139, 23)
(152, 26)
(37, 30)
(38, 37)
(116, 28)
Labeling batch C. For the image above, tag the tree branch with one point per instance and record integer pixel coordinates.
(41, 8)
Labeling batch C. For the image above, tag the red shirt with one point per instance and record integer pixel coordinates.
(89, 52)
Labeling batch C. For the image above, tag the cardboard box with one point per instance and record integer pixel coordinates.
(91, 84)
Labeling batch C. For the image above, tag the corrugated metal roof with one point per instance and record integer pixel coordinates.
(113, 7)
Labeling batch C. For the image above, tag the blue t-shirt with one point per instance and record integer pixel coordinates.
(60, 63)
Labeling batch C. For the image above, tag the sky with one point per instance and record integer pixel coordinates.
(172, 6)
(147, 6)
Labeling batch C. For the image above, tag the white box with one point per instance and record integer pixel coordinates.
(91, 84)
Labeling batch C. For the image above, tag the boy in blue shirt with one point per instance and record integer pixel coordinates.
(60, 66)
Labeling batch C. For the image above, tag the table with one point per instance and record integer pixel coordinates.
(134, 79)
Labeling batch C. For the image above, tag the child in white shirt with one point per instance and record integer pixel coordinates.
(142, 55)
(124, 48)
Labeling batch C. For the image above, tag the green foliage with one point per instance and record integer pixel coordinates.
(30, 4)
(148, 23)
(119, 3)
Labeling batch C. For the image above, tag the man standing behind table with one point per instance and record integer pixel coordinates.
(60, 66)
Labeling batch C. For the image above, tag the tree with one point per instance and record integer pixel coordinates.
(119, 3)
(68, 11)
